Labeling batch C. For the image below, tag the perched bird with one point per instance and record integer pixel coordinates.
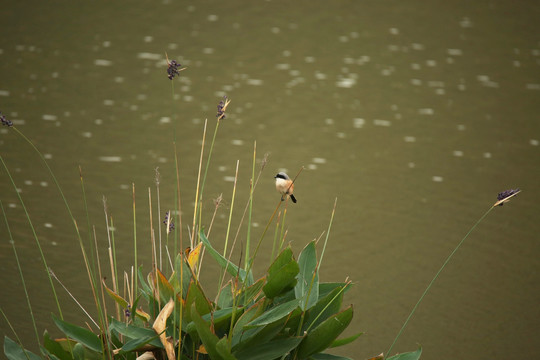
(284, 186)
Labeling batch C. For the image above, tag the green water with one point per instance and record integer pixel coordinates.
(414, 115)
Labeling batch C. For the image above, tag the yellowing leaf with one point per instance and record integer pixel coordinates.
(202, 350)
(193, 256)
(142, 315)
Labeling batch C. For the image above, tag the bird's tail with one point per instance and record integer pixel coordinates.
(293, 198)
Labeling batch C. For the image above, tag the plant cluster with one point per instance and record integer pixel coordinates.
(286, 314)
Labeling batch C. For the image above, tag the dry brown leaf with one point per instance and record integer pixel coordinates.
(160, 325)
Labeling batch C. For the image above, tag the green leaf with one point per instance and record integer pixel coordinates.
(138, 343)
(78, 352)
(117, 298)
(222, 348)
(269, 350)
(135, 332)
(250, 294)
(142, 283)
(323, 335)
(256, 336)
(208, 338)
(196, 296)
(220, 318)
(248, 315)
(224, 263)
(281, 274)
(166, 290)
(181, 277)
(325, 288)
(413, 355)
(274, 314)
(346, 340)
(325, 307)
(225, 296)
(14, 351)
(54, 348)
(307, 288)
(328, 357)
(80, 334)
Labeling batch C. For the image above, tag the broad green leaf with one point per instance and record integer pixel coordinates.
(250, 294)
(325, 288)
(256, 336)
(80, 334)
(323, 335)
(270, 350)
(166, 290)
(78, 352)
(285, 257)
(220, 318)
(274, 314)
(142, 282)
(327, 357)
(117, 298)
(224, 263)
(14, 351)
(281, 274)
(139, 342)
(139, 313)
(325, 307)
(222, 348)
(413, 355)
(248, 315)
(225, 296)
(134, 332)
(208, 338)
(55, 348)
(196, 296)
(307, 288)
(181, 277)
(346, 340)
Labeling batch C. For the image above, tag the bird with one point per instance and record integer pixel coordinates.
(284, 186)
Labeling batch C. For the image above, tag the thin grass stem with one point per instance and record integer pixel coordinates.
(159, 214)
(102, 311)
(135, 289)
(231, 210)
(35, 237)
(114, 275)
(73, 298)
(197, 198)
(12, 242)
(327, 235)
(276, 231)
(179, 209)
(16, 335)
(112, 259)
(435, 278)
(251, 189)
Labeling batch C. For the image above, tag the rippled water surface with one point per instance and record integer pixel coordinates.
(414, 115)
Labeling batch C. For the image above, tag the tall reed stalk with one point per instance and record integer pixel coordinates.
(19, 268)
(502, 198)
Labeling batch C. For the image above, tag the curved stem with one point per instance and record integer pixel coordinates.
(435, 278)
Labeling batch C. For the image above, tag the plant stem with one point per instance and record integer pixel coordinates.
(435, 278)
(231, 210)
(251, 185)
(20, 273)
(35, 237)
(134, 239)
